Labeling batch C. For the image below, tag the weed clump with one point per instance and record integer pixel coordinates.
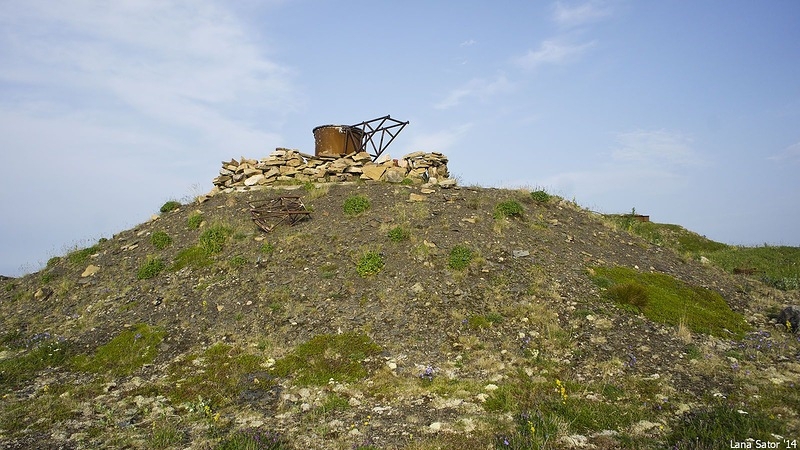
(508, 209)
(194, 220)
(195, 257)
(460, 257)
(540, 196)
(212, 239)
(398, 234)
(160, 240)
(45, 351)
(370, 264)
(151, 267)
(170, 206)
(355, 205)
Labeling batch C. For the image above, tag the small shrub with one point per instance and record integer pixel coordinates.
(160, 240)
(370, 264)
(53, 261)
(356, 205)
(170, 206)
(151, 267)
(398, 234)
(460, 257)
(212, 239)
(540, 196)
(631, 293)
(194, 220)
(508, 209)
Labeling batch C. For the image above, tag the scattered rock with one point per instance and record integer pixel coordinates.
(90, 270)
(416, 197)
(520, 253)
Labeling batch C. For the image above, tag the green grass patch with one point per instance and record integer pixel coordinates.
(194, 220)
(160, 240)
(355, 205)
(150, 268)
(82, 255)
(194, 257)
(398, 234)
(328, 356)
(46, 353)
(125, 353)
(714, 426)
(508, 209)
(171, 205)
(53, 261)
(669, 301)
(460, 257)
(777, 266)
(370, 264)
(218, 375)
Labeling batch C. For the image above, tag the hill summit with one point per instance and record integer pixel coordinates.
(396, 315)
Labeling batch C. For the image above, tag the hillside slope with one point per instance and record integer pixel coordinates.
(475, 318)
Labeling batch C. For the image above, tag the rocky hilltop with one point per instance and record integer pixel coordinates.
(397, 315)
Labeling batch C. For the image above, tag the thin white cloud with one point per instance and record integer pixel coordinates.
(580, 14)
(655, 148)
(553, 51)
(468, 43)
(438, 141)
(789, 154)
(476, 88)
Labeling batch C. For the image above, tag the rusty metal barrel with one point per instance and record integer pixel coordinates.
(335, 140)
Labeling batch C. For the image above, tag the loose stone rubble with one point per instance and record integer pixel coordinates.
(288, 166)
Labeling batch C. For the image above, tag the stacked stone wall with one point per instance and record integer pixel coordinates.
(289, 166)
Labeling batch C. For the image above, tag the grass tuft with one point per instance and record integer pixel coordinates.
(194, 220)
(540, 196)
(398, 234)
(151, 267)
(508, 209)
(355, 205)
(160, 240)
(170, 206)
(460, 257)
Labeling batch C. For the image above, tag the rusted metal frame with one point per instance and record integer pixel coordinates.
(368, 135)
(287, 208)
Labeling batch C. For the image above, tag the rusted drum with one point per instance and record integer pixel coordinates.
(335, 140)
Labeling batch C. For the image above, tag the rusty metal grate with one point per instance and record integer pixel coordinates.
(268, 214)
(377, 134)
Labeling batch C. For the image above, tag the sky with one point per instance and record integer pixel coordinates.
(686, 111)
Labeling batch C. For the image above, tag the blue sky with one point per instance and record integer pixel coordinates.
(686, 111)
